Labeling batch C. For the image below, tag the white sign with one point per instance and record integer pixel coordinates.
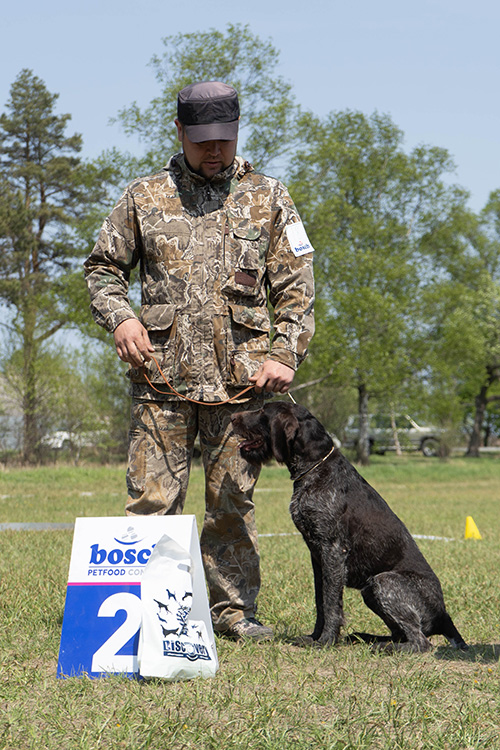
(102, 615)
(298, 239)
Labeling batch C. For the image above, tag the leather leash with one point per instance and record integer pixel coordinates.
(186, 398)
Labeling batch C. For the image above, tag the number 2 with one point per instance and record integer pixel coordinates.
(106, 658)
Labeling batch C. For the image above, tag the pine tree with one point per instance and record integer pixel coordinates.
(46, 190)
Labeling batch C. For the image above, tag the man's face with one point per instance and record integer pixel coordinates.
(207, 158)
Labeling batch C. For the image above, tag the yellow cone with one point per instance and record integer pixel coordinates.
(471, 530)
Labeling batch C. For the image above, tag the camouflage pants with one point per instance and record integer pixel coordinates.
(161, 444)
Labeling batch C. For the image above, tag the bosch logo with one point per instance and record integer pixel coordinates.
(100, 556)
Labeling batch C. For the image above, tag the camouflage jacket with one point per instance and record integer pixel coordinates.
(211, 254)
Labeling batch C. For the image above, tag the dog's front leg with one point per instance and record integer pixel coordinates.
(333, 579)
(318, 596)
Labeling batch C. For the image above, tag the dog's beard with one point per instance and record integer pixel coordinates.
(254, 445)
(255, 449)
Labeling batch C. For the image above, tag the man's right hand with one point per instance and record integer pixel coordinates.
(132, 342)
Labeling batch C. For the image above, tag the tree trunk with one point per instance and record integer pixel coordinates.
(475, 438)
(29, 390)
(395, 434)
(363, 450)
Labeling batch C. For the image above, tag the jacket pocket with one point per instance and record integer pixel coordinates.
(248, 341)
(244, 261)
(157, 317)
(165, 241)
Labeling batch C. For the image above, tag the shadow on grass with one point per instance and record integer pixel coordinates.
(481, 653)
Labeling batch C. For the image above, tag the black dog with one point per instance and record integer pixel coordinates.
(353, 536)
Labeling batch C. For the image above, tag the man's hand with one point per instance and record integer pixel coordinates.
(273, 377)
(132, 342)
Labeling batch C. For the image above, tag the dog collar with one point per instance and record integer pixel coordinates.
(314, 466)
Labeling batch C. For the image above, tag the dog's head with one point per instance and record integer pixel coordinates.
(279, 430)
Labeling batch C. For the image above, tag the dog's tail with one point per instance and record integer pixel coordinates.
(447, 628)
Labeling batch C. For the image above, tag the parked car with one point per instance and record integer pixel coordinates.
(63, 439)
(411, 435)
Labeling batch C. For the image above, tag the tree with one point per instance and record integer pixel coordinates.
(105, 383)
(371, 211)
(82, 394)
(236, 57)
(46, 192)
(489, 322)
(463, 306)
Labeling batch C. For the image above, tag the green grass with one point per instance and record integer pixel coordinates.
(270, 696)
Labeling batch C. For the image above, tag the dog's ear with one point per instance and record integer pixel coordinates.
(284, 427)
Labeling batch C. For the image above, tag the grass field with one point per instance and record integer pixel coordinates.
(270, 696)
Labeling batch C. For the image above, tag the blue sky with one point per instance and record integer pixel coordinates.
(433, 65)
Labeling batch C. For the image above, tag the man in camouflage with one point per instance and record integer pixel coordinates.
(215, 241)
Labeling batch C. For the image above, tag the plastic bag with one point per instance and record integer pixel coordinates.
(172, 645)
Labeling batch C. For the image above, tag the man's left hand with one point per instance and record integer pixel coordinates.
(273, 377)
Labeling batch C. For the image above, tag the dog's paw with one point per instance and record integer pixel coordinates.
(460, 645)
(311, 641)
(324, 641)
(303, 640)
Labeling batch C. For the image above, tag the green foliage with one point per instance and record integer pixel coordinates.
(462, 316)
(372, 212)
(48, 198)
(81, 392)
(408, 308)
(104, 379)
(235, 56)
(38, 167)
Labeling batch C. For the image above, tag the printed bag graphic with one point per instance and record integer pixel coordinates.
(172, 644)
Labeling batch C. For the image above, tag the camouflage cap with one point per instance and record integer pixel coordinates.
(209, 111)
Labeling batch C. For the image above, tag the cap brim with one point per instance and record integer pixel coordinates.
(213, 131)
